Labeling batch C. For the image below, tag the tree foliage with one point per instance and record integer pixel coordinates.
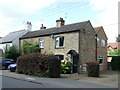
(12, 52)
(29, 48)
(118, 38)
(117, 52)
(66, 67)
(38, 64)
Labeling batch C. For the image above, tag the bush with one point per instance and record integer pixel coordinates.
(11, 52)
(66, 67)
(117, 52)
(93, 69)
(30, 48)
(115, 63)
(39, 65)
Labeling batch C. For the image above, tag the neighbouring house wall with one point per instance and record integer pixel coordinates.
(70, 43)
(2, 46)
(102, 51)
(16, 43)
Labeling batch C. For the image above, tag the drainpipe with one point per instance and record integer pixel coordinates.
(96, 46)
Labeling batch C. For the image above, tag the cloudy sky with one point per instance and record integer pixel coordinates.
(15, 13)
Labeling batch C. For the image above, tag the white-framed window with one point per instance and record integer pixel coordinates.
(41, 43)
(98, 42)
(103, 43)
(59, 42)
(101, 59)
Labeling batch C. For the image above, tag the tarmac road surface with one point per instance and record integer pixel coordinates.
(13, 80)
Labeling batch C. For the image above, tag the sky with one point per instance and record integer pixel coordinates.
(15, 13)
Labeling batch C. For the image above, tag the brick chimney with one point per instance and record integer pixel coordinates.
(42, 27)
(60, 22)
(28, 26)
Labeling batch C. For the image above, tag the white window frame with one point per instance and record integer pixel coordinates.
(57, 42)
(103, 44)
(41, 43)
(98, 42)
(102, 58)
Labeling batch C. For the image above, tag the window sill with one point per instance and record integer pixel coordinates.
(59, 47)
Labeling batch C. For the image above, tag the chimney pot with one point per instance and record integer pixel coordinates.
(28, 26)
(30, 23)
(60, 22)
(42, 27)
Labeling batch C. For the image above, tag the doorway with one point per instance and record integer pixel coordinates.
(74, 58)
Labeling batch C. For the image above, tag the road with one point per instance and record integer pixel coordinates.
(16, 83)
(8, 82)
(12, 80)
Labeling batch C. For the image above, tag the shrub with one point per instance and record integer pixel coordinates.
(117, 52)
(93, 69)
(11, 52)
(30, 48)
(39, 65)
(115, 63)
(66, 67)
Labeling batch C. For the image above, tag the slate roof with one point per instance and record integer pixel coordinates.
(12, 36)
(63, 29)
(97, 29)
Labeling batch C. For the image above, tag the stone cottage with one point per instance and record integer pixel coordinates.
(101, 47)
(74, 42)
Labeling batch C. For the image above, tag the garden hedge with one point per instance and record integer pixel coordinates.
(93, 69)
(115, 63)
(39, 64)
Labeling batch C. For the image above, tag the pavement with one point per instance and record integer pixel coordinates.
(107, 78)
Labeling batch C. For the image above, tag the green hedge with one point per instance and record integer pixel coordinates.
(39, 65)
(115, 63)
(93, 69)
(11, 52)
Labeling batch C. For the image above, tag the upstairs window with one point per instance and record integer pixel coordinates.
(41, 43)
(98, 42)
(59, 42)
(103, 43)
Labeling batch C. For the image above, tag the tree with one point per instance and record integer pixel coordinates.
(118, 38)
(11, 52)
(29, 48)
(117, 52)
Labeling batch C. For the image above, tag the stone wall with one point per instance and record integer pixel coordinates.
(70, 42)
